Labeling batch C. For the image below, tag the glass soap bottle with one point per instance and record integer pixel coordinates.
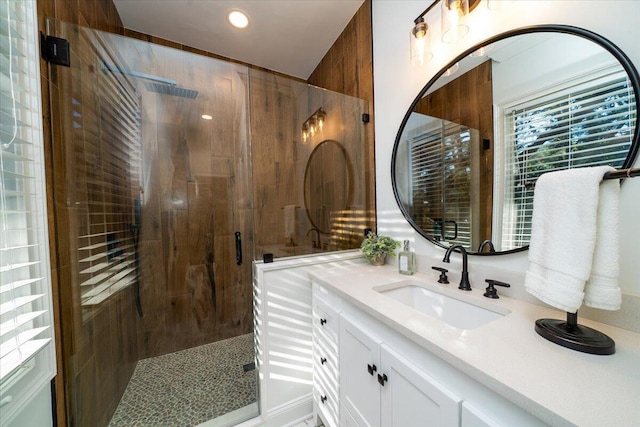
(406, 260)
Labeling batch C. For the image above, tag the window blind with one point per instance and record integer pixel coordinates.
(107, 138)
(25, 300)
(441, 182)
(592, 124)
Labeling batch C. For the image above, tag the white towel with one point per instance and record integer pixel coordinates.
(563, 239)
(289, 221)
(602, 289)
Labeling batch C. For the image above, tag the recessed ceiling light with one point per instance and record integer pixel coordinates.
(206, 117)
(238, 19)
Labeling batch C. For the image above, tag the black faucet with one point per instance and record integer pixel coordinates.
(464, 281)
(314, 244)
(492, 249)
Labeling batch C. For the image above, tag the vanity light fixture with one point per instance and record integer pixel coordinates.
(238, 18)
(313, 124)
(453, 19)
(454, 27)
(321, 116)
(420, 42)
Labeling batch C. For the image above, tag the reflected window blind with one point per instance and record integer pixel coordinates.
(589, 126)
(441, 183)
(25, 300)
(107, 135)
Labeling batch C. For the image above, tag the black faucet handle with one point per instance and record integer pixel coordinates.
(443, 274)
(490, 291)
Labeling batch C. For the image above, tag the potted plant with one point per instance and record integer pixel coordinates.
(375, 248)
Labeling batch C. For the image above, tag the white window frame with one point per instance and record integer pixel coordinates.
(502, 181)
(21, 385)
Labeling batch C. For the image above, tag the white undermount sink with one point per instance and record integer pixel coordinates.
(459, 311)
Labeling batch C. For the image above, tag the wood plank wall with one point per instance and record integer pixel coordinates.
(102, 15)
(348, 68)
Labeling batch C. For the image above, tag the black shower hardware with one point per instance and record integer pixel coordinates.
(570, 334)
(464, 280)
(238, 248)
(134, 229)
(156, 84)
(490, 291)
(443, 274)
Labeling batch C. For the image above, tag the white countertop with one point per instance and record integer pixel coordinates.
(558, 385)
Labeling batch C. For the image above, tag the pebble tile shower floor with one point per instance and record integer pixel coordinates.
(189, 387)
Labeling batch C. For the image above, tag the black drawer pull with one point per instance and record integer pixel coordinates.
(382, 379)
(323, 399)
(371, 369)
(323, 321)
(323, 360)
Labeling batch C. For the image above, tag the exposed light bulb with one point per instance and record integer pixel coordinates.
(454, 13)
(305, 132)
(320, 117)
(206, 117)
(312, 126)
(420, 44)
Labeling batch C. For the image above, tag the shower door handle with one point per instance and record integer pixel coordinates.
(238, 248)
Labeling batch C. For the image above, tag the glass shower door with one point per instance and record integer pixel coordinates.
(153, 198)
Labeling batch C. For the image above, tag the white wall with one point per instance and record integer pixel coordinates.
(396, 83)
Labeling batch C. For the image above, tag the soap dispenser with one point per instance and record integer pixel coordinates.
(406, 260)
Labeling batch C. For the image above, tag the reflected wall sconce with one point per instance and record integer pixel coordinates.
(314, 124)
(453, 17)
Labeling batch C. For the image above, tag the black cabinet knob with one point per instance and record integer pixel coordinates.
(371, 369)
(323, 399)
(323, 360)
(382, 379)
(323, 321)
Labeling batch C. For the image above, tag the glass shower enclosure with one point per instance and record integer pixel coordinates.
(171, 173)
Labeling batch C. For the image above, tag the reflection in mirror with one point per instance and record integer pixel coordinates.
(327, 184)
(473, 143)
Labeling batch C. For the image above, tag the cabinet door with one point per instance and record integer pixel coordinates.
(410, 397)
(359, 367)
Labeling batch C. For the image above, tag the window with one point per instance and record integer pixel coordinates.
(26, 347)
(588, 124)
(441, 182)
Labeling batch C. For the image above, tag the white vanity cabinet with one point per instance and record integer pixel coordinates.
(366, 374)
(379, 387)
(325, 319)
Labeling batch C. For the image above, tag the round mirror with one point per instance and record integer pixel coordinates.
(481, 132)
(327, 184)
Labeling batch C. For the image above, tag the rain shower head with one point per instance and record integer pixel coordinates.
(172, 90)
(156, 84)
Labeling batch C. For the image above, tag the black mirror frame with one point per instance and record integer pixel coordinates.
(306, 175)
(566, 29)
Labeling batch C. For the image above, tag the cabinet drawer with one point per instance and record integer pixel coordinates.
(327, 404)
(325, 322)
(324, 357)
